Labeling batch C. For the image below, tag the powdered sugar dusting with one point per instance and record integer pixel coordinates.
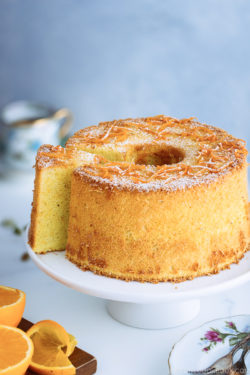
(49, 156)
(173, 183)
(209, 153)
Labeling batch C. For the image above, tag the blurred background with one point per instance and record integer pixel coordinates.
(114, 59)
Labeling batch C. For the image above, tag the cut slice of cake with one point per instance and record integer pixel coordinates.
(50, 208)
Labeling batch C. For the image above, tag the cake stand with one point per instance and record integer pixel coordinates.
(143, 305)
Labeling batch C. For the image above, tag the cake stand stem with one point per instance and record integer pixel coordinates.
(154, 315)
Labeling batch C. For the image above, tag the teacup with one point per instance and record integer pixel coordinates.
(25, 126)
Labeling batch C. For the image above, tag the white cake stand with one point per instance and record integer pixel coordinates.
(143, 305)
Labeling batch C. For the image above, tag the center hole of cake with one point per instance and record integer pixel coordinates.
(164, 155)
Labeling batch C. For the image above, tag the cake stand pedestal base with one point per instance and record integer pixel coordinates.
(154, 315)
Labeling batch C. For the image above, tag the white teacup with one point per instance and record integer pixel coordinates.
(25, 126)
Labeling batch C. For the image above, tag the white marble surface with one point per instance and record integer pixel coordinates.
(119, 349)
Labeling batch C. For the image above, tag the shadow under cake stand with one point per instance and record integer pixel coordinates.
(143, 305)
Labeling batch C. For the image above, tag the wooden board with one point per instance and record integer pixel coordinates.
(84, 362)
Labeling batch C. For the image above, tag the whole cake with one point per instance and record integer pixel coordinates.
(166, 201)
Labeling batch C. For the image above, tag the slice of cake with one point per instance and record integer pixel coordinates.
(50, 208)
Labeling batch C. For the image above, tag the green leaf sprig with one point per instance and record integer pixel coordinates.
(10, 223)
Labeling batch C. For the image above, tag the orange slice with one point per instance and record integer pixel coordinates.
(52, 347)
(12, 303)
(16, 350)
(72, 344)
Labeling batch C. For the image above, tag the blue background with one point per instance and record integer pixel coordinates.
(112, 59)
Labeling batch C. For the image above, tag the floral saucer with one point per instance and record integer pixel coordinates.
(202, 346)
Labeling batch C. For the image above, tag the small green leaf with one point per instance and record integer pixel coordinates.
(233, 341)
(242, 335)
(17, 231)
(9, 223)
(224, 335)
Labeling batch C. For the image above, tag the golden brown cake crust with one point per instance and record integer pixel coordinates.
(147, 250)
(97, 269)
(150, 279)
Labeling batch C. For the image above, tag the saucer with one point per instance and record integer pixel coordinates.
(200, 347)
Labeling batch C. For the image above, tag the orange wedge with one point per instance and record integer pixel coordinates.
(16, 350)
(52, 347)
(12, 303)
(72, 344)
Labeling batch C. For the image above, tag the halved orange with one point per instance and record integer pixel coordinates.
(52, 347)
(12, 304)
(16, 350)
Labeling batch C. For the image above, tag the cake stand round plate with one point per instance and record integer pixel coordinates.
(143, 305)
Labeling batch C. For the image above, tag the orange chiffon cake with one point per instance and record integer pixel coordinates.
(161, 199)
(50, 208)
